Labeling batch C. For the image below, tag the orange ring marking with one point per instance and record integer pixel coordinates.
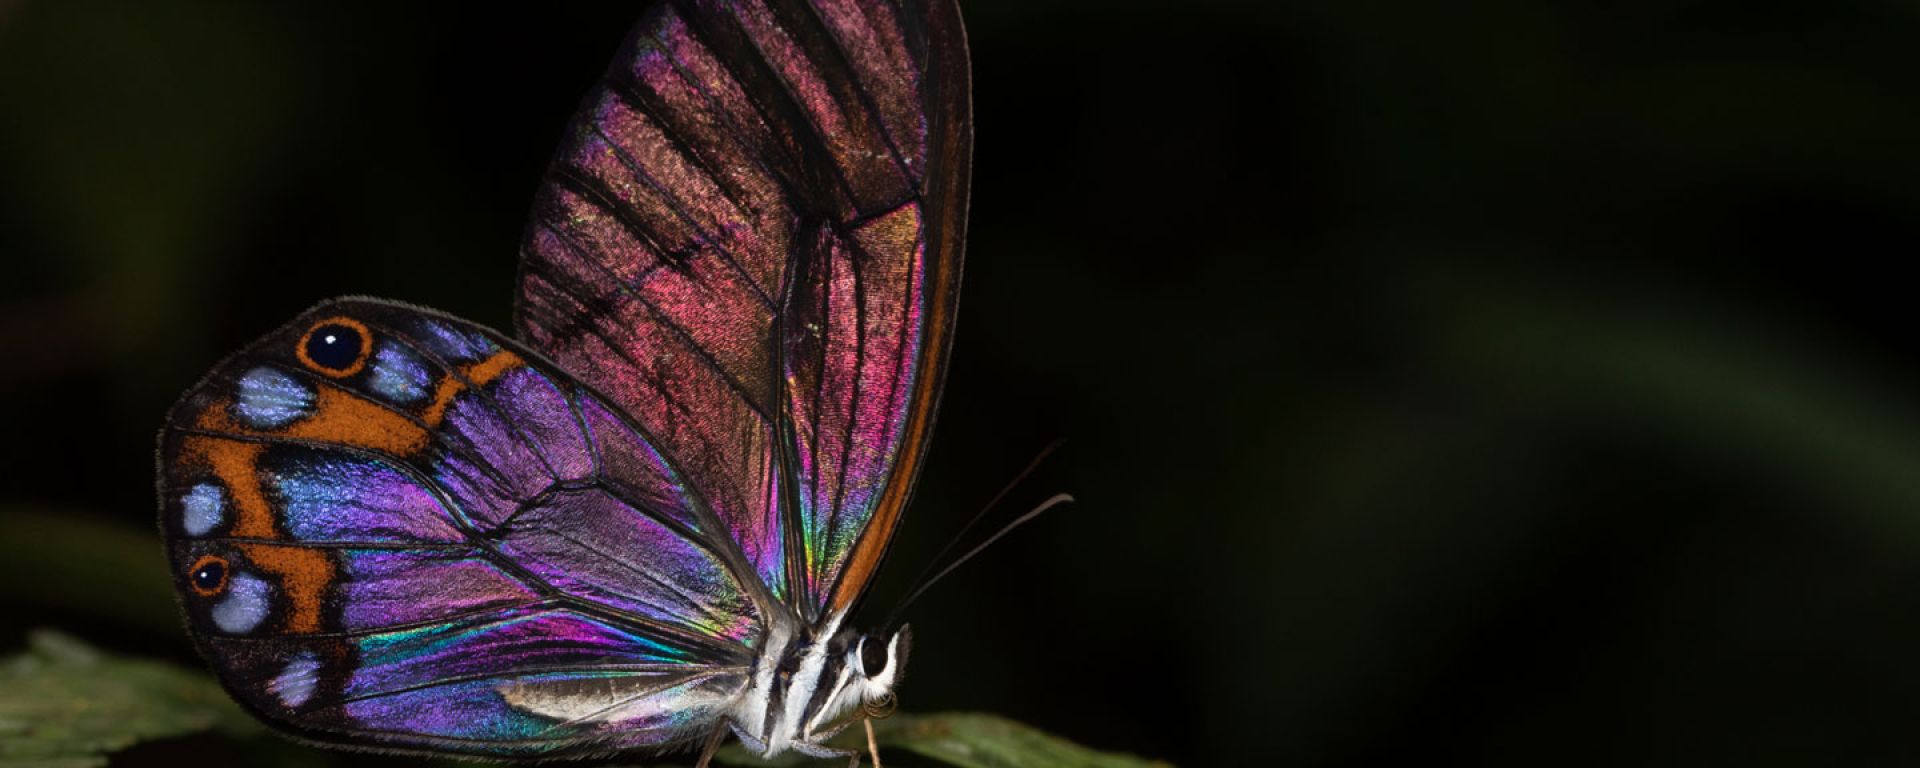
(366, 347)
(226, 570)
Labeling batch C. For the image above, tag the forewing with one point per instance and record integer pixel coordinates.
(421, 535)
(750, 240)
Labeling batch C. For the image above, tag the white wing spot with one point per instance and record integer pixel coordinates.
(270, 399)
(202, 509)
(294, 685)
(245, 607)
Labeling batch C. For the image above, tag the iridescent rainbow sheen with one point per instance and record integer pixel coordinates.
(735, 239)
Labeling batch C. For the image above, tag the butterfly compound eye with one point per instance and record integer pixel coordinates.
(873, 657)
(336, 346)
(208, 576)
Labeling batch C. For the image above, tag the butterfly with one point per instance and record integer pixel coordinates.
(641, 521)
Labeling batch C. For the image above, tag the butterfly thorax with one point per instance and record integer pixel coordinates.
(807, 687)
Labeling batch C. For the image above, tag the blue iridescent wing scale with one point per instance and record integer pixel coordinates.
(421, 535)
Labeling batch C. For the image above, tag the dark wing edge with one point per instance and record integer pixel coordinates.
(948, 99)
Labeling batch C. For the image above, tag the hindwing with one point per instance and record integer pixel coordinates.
(391, 525)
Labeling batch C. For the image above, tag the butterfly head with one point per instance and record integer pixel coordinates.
(876, 664)
(856, 681)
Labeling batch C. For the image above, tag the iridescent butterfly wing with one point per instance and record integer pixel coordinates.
(393, 527)
(751, 241)
(396, 529)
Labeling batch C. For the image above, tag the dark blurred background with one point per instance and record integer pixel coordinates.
(1496, 383)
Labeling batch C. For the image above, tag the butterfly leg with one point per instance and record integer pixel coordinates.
(822, 750)
(712, 745)
(746, 739)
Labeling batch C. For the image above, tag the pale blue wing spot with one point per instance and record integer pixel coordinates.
(295, 683)
(245, 606)
(270, 399)
(202, 509)
(456, 343)
(398, 375)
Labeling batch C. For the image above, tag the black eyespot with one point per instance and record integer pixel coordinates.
(873, 657)
(333, 346)
(209, 575)
(336, 347)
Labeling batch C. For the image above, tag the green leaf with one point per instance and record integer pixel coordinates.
(964, 739)
(63, 703)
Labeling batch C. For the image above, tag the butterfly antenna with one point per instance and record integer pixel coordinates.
(1056, 500)
(934, 561)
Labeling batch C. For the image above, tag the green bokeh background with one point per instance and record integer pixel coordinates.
(1492, 383)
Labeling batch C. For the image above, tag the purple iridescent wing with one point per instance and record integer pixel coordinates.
(750, 241)
(392, 527)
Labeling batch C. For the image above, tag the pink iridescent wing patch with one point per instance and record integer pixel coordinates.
(751, 241)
